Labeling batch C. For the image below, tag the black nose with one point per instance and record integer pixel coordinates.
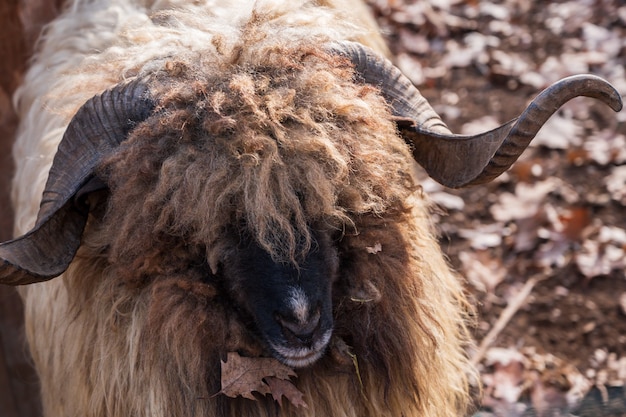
(299, 332)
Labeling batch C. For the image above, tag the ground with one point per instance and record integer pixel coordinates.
(542, 247)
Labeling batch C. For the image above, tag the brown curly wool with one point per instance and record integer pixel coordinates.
(278, 147)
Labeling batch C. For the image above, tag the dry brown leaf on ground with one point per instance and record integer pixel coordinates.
(616, 184)
(603, 252)
(504, 379)
(483, 270)
(484, 236)
(241, 376)
(438, 194)
(559, 132)
(552, 384)
(527, 201)
(480, 125)
(606, 147)
(565, 229)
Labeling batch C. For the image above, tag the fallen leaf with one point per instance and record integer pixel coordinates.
(616, 184)
(509, 64)
(527, 201)
(497, 11)
(508, 367)
(602, 39)
(442, 198)
(480, 125)
(411, 68)
(553, 383)
(546, 397)
(602, 253)
(484, 236)
(562, 230)
(574, 221)
(241, 376)
(527, 235)
(283, 387)
(483, 270)
(606, 147)
(559, 132)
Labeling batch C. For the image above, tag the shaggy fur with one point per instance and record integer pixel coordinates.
(257, 131)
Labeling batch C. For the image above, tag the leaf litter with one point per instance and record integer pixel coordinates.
(550, 234)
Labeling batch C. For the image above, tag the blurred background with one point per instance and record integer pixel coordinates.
(542, 247)
(20, 24)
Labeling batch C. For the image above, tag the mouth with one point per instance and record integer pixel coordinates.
(300, 357)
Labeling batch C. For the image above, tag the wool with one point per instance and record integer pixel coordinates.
(293, 161)
(257, 130)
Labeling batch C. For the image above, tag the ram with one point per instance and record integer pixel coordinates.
(207, 178)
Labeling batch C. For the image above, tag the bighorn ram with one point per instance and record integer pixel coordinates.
(236, 178)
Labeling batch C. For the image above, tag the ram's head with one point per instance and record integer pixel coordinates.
(289, 304)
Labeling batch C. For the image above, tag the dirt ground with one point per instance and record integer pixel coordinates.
(549, 234)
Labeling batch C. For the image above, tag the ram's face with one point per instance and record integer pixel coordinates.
(289, 306)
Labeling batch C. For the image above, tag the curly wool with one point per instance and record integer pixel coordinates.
(278, 148)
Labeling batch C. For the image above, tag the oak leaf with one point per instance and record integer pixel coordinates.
(284, 387)
(241, 376)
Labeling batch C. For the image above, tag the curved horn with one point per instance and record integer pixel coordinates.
(100, 125)
(456, 160)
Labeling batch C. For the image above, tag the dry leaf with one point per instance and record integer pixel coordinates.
(483, 270)
(283, 387)
(505, 382)
(553, 383)
(526, 203)
(436, 192)
(565, 229)
(606, 147)
(574, 221)
(603, 253)
(480, 125)
(411, 68)
(241, 376)
(545, 397)
(559, 133)
(616, 184)
(484, 236)
(526, 236)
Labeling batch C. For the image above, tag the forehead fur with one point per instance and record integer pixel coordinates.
(274, 146)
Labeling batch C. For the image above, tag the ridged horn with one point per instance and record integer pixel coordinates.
(457, 160)
(98, 127)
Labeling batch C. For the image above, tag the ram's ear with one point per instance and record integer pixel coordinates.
(98, 127)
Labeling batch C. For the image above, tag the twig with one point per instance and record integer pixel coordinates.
(510, 310)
